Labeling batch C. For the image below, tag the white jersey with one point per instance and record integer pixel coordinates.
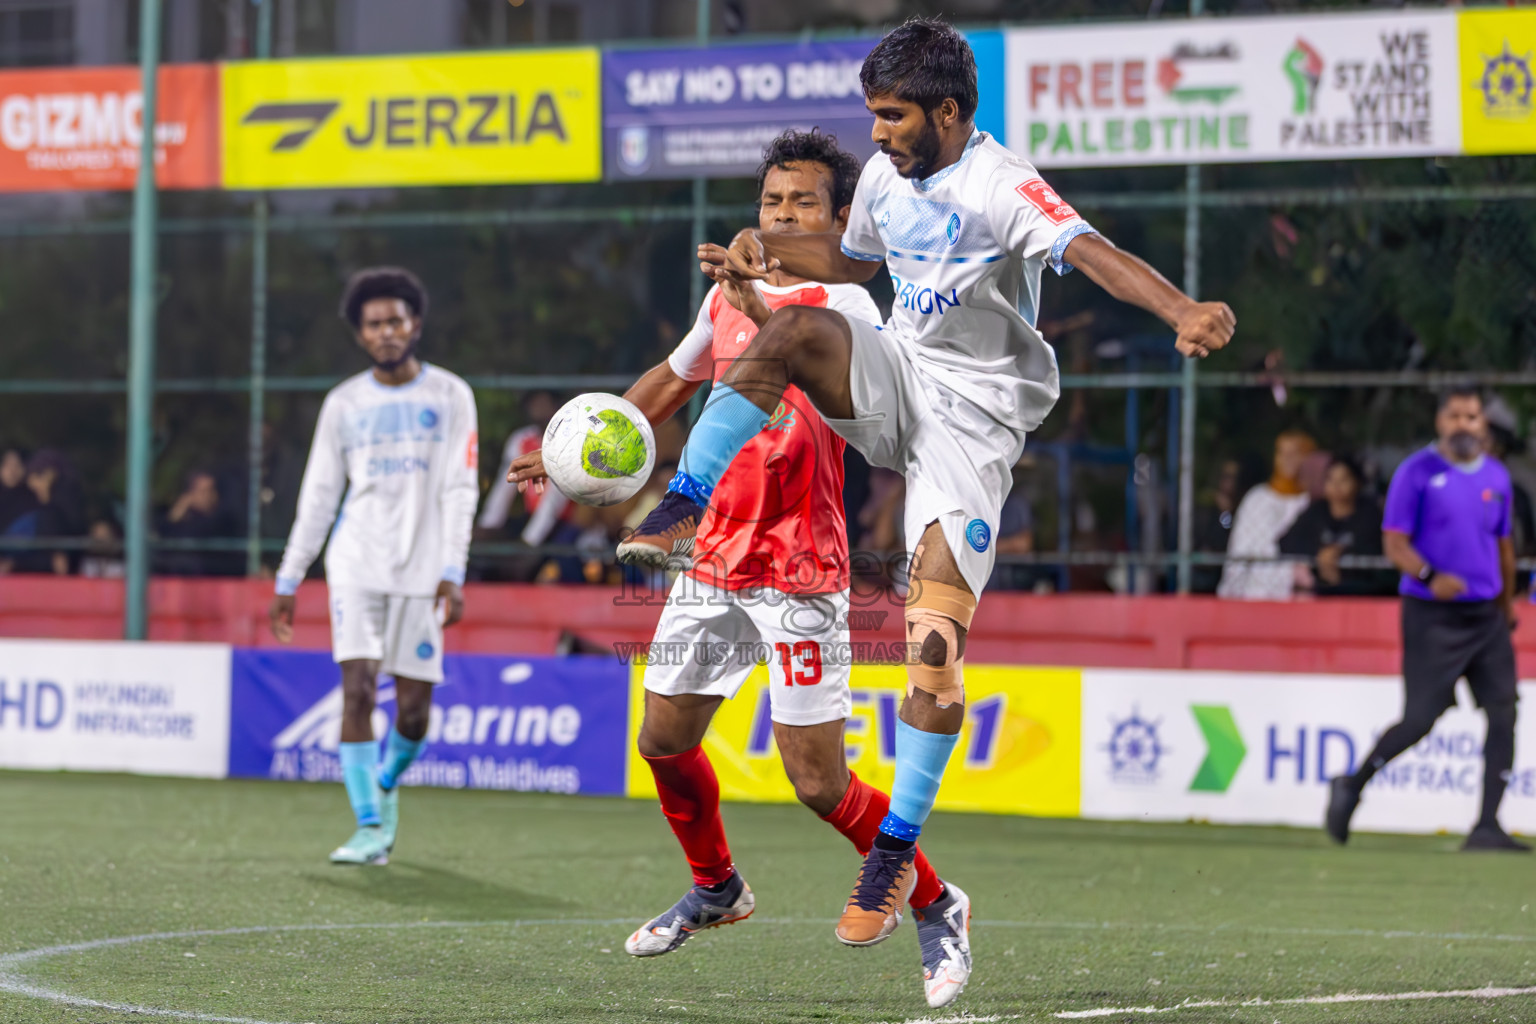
(407, 459)
(966, 248)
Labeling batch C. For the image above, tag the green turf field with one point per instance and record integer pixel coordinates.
(515, 908)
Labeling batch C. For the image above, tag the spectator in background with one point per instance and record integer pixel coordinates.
(1015, 536)
(1213, 523)
(549, 513)
(16, 498)
(103, 552)
(1266, 512)
(1503, 441)
(59, 511)
(198, 514)
(1343, 523)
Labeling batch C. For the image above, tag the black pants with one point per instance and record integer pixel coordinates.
(1443, 641)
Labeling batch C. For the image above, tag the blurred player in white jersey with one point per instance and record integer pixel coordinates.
(944, 393)
(400, 441)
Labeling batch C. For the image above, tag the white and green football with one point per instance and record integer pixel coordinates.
(599, 449)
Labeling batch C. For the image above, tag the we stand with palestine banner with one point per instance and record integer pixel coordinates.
(1225, 90)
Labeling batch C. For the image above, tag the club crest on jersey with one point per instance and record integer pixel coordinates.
(952, 229)
(1044, 198)
(428, 418)
(978, 534)
(783, 418)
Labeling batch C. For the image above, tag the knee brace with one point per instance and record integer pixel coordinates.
(935, 614)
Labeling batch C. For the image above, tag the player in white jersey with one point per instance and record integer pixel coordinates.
(400, 442)
(944, 393)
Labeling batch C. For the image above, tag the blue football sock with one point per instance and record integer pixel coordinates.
(728, 422)
(359, 772)
(920, 761)
(399, 752)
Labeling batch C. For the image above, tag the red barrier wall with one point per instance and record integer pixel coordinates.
(1340, 635)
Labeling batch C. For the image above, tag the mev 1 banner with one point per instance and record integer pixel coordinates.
(1017, 752)
(1227, 90)
(500, 118)
(685, 113)
(552, 725)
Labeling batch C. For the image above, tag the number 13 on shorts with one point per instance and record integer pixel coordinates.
(801, 663)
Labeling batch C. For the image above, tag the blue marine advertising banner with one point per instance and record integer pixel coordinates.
(556, 725)
(708, 112)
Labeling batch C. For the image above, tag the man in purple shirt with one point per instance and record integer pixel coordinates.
(1447, 528)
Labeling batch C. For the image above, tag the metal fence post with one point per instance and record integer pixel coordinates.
(259, 217)
(1187, 389)
(141, 335)
(696, 288)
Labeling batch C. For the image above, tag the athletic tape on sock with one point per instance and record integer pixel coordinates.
(920, 761)
(728, 422)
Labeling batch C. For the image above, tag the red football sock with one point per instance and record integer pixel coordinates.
(690, 798)
(858, 817)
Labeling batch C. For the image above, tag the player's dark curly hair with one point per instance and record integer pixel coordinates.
(923, 62)
(814, 146)
(382, 283)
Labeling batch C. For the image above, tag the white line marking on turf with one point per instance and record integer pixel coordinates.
(1342, 997)
(14, 982)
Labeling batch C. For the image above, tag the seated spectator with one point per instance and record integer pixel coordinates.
(1015, 536)
(1213, 523)
(103, 552)
(198, 514)
(548, 515)
(16, 498)
(1343, 523)
(58, 511)
(1504, 442)
(1266, 512)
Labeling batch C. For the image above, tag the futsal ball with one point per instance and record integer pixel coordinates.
(599, 449)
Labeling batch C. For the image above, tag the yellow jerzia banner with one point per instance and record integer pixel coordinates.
(380, 121)
(1498, 87)
(1018, 752)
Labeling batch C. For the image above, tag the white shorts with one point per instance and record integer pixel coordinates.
(709, 640)
(401, 633)
(957, 460)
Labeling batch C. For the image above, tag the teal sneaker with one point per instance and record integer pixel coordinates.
(389, 815)
(368, 845)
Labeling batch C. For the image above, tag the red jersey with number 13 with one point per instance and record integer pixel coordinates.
(776, 518)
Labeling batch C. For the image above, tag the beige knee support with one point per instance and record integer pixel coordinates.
(942, 610)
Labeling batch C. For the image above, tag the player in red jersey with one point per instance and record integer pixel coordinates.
(770, 575)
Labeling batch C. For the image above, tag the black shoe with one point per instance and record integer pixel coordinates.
(1343, 798)
(666, 536)
(1492, 837)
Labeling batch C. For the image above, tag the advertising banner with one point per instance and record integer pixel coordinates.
(497, 118)
(1497, 81)
(1251, 748)
(553, 725)
(153, 709)
(80, 128)
(1236, 90)
(684, 113)
(1018, 750)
